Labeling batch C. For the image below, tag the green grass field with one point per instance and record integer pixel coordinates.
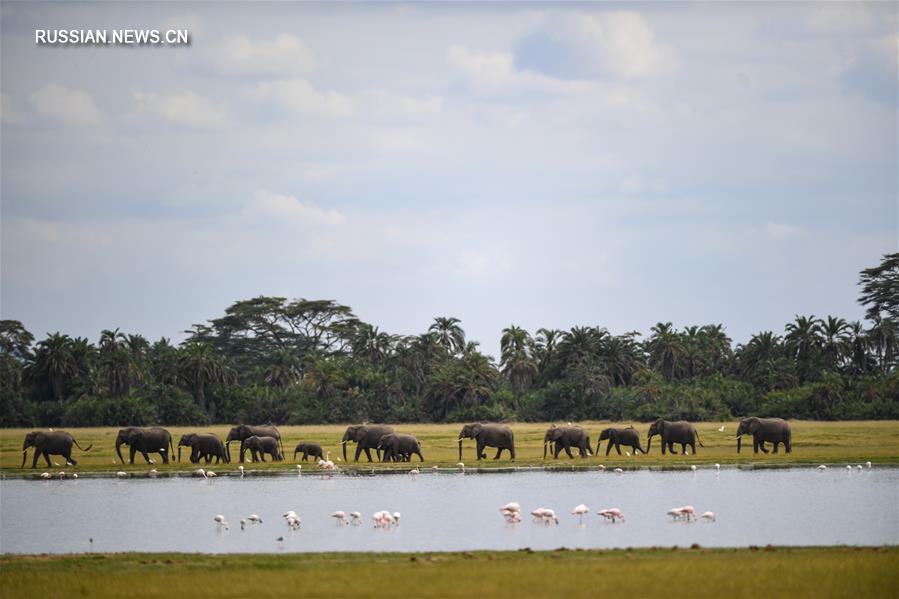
(813, 443)
(731, 573)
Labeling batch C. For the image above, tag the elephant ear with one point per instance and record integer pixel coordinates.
(754, 425)
(39, 439)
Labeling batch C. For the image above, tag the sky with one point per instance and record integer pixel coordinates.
(543, 165)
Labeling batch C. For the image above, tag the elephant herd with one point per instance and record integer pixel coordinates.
(262, 441)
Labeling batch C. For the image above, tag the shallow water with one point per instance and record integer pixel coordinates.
(446, 511)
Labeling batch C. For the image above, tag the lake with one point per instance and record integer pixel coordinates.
(451, 511)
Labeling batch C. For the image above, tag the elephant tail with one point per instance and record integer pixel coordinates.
(171, 447)
(697, 438)
(88, 448)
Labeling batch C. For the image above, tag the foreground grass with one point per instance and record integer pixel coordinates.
(732, 573)
(813, 443)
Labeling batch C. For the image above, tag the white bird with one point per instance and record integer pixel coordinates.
(693, 468)
(46, 475)
(462, 466)
(243, 523)
(709, 516)
(600, 467)
(121, 474)
(718, 467)
(627, 453)
(396, 518)
(153, 473)
(220, 520)
(414, 472)
(356, 518)
(579, 511)
(859, 467)
(74, 475)
(721, 429)
(254, 519)
(848, 467)
(868, 464)
(62, 473)
(822, 467)
(512, 517)
(200, 472)
(211, 474)
(688, 512)
(152, 461)
(240, 468)
(299, 469)
(613, 514)
(340, 517)
(545, 514)
(618, 470)
(512, 506)
(294, 522)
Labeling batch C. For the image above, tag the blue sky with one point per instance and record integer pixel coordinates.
(546, 165)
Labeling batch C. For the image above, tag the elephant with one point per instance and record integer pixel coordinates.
(618, 437)
(366, 437)
(50, 443)
(674, 432)
(488, 435)
(205, 446)
(309, 449)
(146, 440)
(259, 446)
(242, 431)
(774, 430)
(566, 437)
(399, 447)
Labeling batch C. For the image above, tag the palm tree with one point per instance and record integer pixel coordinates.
(622, 359)
(666, 350)
(449, 334)
(835, 332)
(118, 362)
(803, 342)
(517, 361)
(545, 347)
(857, 343)
(54, 364)
(764, 363)
(883, 337)
(372, 344)
(199, 368)
(284, 370)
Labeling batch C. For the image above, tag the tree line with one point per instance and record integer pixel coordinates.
(270, 359)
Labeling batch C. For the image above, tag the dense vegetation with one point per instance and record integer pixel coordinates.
(305, 361)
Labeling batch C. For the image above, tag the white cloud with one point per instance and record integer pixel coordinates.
(837, 17)
(388, 105)
(184, 108)
(299, 95)
(70, 106)
(784, 230)
(288, 210)
(624, 45)
(241, 56)
(495, 72)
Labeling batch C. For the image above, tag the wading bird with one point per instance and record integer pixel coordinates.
(340, 517)
(121, 474)
(612, 514)
(220, 520)
(254, 519)
(709, 516)
(462, 466)
(240, 469)
(356, 518)
(579, 511)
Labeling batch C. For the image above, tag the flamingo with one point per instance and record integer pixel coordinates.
(709, 516)
(74, 475)
(46, 475)
(121, 474)
(299, 469)
(693, 468)
(462, 466)
(618, 471)
(848, 467)
(210, 474)
(600, 467)
(822, 467)
(859, 466)
(356, 518)
(153, 473)
(243, 523)
(414, 472)
(254, 519)
(613, 514)
(396, 518)
(688, 512)
(512, 517)
(340, 517)
(512, 506)
(200, 472)
(240, 469)
(718, 467)
(220, 520)
(868, 464)
(579, 511)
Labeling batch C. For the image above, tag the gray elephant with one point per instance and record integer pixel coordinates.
(488, 435)
(243, 431)
(50, 443)
(399, 447)
(366, 437)
(618, 437)
(146, 440)
(205, 446)
(309, 449)
(259, 446)
(674, 432)
(566, 437)
(771, 430)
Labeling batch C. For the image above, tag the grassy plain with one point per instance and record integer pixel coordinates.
(836, 443)
(732, 573)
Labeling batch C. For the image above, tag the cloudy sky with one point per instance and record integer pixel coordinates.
(537, 164)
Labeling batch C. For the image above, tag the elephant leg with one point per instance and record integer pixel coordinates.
(499, 452)
(368, 453)
(609, 447)
(165, 456)
(46, 455)
(131, 451)
(377, 453)
(568, 451)
(788, 446)
(358, 452)
(776, 443)
(618, 448)
(663, 447)
(762, 447)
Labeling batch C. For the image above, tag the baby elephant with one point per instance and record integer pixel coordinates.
(309, 449)
(259, 446)
(618, 437)
(399, 448)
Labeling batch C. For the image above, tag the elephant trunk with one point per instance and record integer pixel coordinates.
(739, 442)
(118, 449)
(545, 443)
(648, 443)
(25, 447)
(460, 449)
(179, 453)
(344, 447)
